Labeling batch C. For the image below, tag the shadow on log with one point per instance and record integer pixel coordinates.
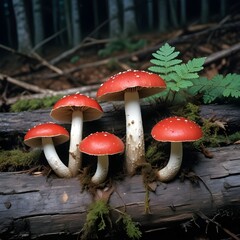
(15, 125)
(34, 206)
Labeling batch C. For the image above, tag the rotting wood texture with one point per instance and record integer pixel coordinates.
(33, 206)
(14, 124)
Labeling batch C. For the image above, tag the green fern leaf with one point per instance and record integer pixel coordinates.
(177, 75)
(233, 86)
(157, 69)
(183, 71)
(196, 64)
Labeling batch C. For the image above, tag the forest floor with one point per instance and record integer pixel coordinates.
(82, 66)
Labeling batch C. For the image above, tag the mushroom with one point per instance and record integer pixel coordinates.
(47, 135)
(75, 109)
(175, 130)
(101, 144)
(130, 86)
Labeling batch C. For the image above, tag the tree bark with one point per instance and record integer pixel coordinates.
(24, 42)
(34, 206)
(14, 124)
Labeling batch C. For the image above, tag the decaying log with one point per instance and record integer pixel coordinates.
(34, 206)
(13, 124)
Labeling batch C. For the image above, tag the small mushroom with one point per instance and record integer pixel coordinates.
(175, 130)
(130, 86)
(47, 135)
(101, 144)
(76, 109)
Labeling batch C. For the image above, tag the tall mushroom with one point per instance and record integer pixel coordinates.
(175, 130)
(101, 144)
(75, 109)
(129, 86)
(47, 135)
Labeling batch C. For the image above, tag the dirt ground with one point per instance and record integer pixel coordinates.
(196, 41)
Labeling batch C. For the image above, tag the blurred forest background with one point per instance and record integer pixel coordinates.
(28, 25)
(61, 44)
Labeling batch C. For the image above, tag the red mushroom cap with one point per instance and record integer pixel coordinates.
(145, 83)
(101, 143)
(33, 137)
(176, 129)
(63, 108)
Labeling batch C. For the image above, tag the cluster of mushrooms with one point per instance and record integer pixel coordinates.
(128, 86)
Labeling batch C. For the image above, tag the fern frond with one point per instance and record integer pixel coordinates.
(233, 86)
(176, 74)
(217, 87)
(165, 57)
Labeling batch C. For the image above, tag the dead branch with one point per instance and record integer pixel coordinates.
(88, 90)
(24, 85)
(222, 54)
(47, 64)
(86, 43)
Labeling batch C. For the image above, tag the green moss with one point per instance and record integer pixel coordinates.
(17, 159)
(192, 112)
(97, 220)
(99, 224)
(234, 137)
(33, 104)
(130, 226)
(156, 153)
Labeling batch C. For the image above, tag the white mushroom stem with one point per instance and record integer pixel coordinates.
(53, 159)
(75, 160)
(102, 170)
(173, 166)
(135, 148)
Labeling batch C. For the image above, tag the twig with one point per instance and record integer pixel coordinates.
(223, 53)
(74, 49)
(35, 56)
(45, 63)
(207, 219)
(89, 90)
(47, 39)
(24, 85)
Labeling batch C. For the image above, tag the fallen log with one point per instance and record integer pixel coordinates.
(17, 124)
(36, 206)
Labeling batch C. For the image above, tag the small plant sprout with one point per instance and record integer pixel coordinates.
(175, 130)
(76, 109)
(47, 135)
(130, 86)
(101, 144)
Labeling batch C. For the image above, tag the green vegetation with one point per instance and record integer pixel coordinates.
(130, 227)
(218, 87)
(178, 76)
(121, 44)
(98, 222)
(18, 159)
(183, 80)
(33, 104)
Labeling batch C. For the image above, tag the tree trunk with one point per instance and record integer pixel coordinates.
(76, 28)
(129, 18)
(34, 206)
(37, 21)
(24, 42)
(162, 15)
(114, 21)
